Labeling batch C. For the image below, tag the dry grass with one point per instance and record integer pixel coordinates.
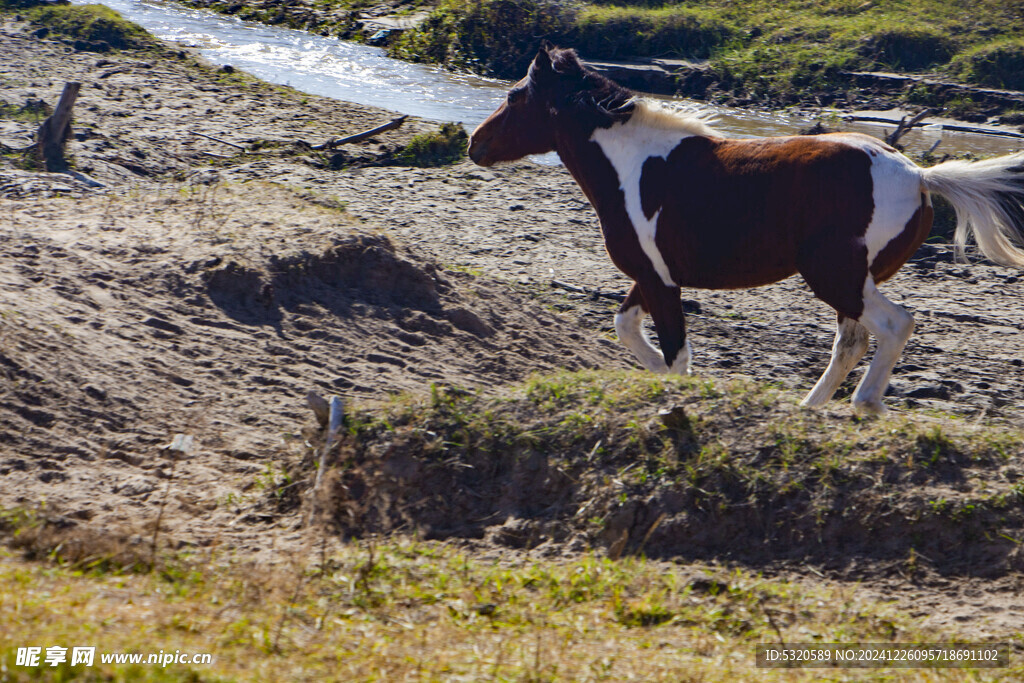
(408, 610)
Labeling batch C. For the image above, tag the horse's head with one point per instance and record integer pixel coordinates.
(556, 88)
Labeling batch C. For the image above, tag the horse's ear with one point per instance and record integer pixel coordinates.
(541, 67)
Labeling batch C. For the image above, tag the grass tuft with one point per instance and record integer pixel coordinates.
(636, 463)
(92, 23)
(447, 145)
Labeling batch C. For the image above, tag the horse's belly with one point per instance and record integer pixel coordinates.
(739, 271)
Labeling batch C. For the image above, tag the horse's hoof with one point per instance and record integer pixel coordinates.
(870, 408)
(681, 365)
(678, 369)
(811, 402)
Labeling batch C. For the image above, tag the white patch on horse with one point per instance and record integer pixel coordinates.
(651, 131)
(892, 326)
(631, 334)
(681, 365)
(896, 191)
(627, 326)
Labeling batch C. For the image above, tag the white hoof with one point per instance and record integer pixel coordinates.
(681, 365)
(812, 401)
(870, 408)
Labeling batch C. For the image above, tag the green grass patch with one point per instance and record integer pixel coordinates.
(907, 49)
(497, 37)
(93, 23)
(999, 64)
(447, 145)
(33, 111)
(699, 454)
(778, 51)
(610, 32)
(412, 610)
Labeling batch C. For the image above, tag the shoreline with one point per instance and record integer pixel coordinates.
(847, 90)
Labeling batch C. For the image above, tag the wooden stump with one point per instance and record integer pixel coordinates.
(55, 130)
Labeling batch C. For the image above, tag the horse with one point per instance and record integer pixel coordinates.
(682, 205)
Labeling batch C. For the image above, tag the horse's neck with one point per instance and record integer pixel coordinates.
(588, 166)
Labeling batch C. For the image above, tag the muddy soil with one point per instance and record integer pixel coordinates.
(204, 291)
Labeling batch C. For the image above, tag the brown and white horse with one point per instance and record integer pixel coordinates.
(683, 206)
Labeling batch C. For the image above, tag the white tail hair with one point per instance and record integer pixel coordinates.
(989, 200)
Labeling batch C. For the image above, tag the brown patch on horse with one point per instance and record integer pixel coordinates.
(654, 183)
(892, 257)
(743, 213)
(634, 298)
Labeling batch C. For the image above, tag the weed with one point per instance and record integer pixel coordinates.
(32, 111)
(460, 268)
(934, 446)
(445, 146)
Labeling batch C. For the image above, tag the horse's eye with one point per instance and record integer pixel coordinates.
(516, 96)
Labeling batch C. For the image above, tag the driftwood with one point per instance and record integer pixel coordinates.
(321, 408)
(981, 131)
(359, 137)
(336, 412)
(956, 127)
(904, 126)
(55, 130)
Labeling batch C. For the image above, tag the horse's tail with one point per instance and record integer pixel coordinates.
(989, 200)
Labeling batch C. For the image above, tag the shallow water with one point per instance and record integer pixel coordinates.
(359, 73)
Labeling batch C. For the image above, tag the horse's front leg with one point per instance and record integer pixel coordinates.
(666, 308)
(628, 325)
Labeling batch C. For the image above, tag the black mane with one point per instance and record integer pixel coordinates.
(588, 94)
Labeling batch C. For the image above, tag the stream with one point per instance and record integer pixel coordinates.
(359, 73)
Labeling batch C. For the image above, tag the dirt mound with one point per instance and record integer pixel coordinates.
(170, 302)
(362, 271)
(146, 322)
(731, 470)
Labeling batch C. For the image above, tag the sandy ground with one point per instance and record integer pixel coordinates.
(205, 295)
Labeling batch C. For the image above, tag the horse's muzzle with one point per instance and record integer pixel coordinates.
(478, 152)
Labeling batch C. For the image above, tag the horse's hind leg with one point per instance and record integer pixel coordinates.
(892, 326)
(850, 346)
(831, 270)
